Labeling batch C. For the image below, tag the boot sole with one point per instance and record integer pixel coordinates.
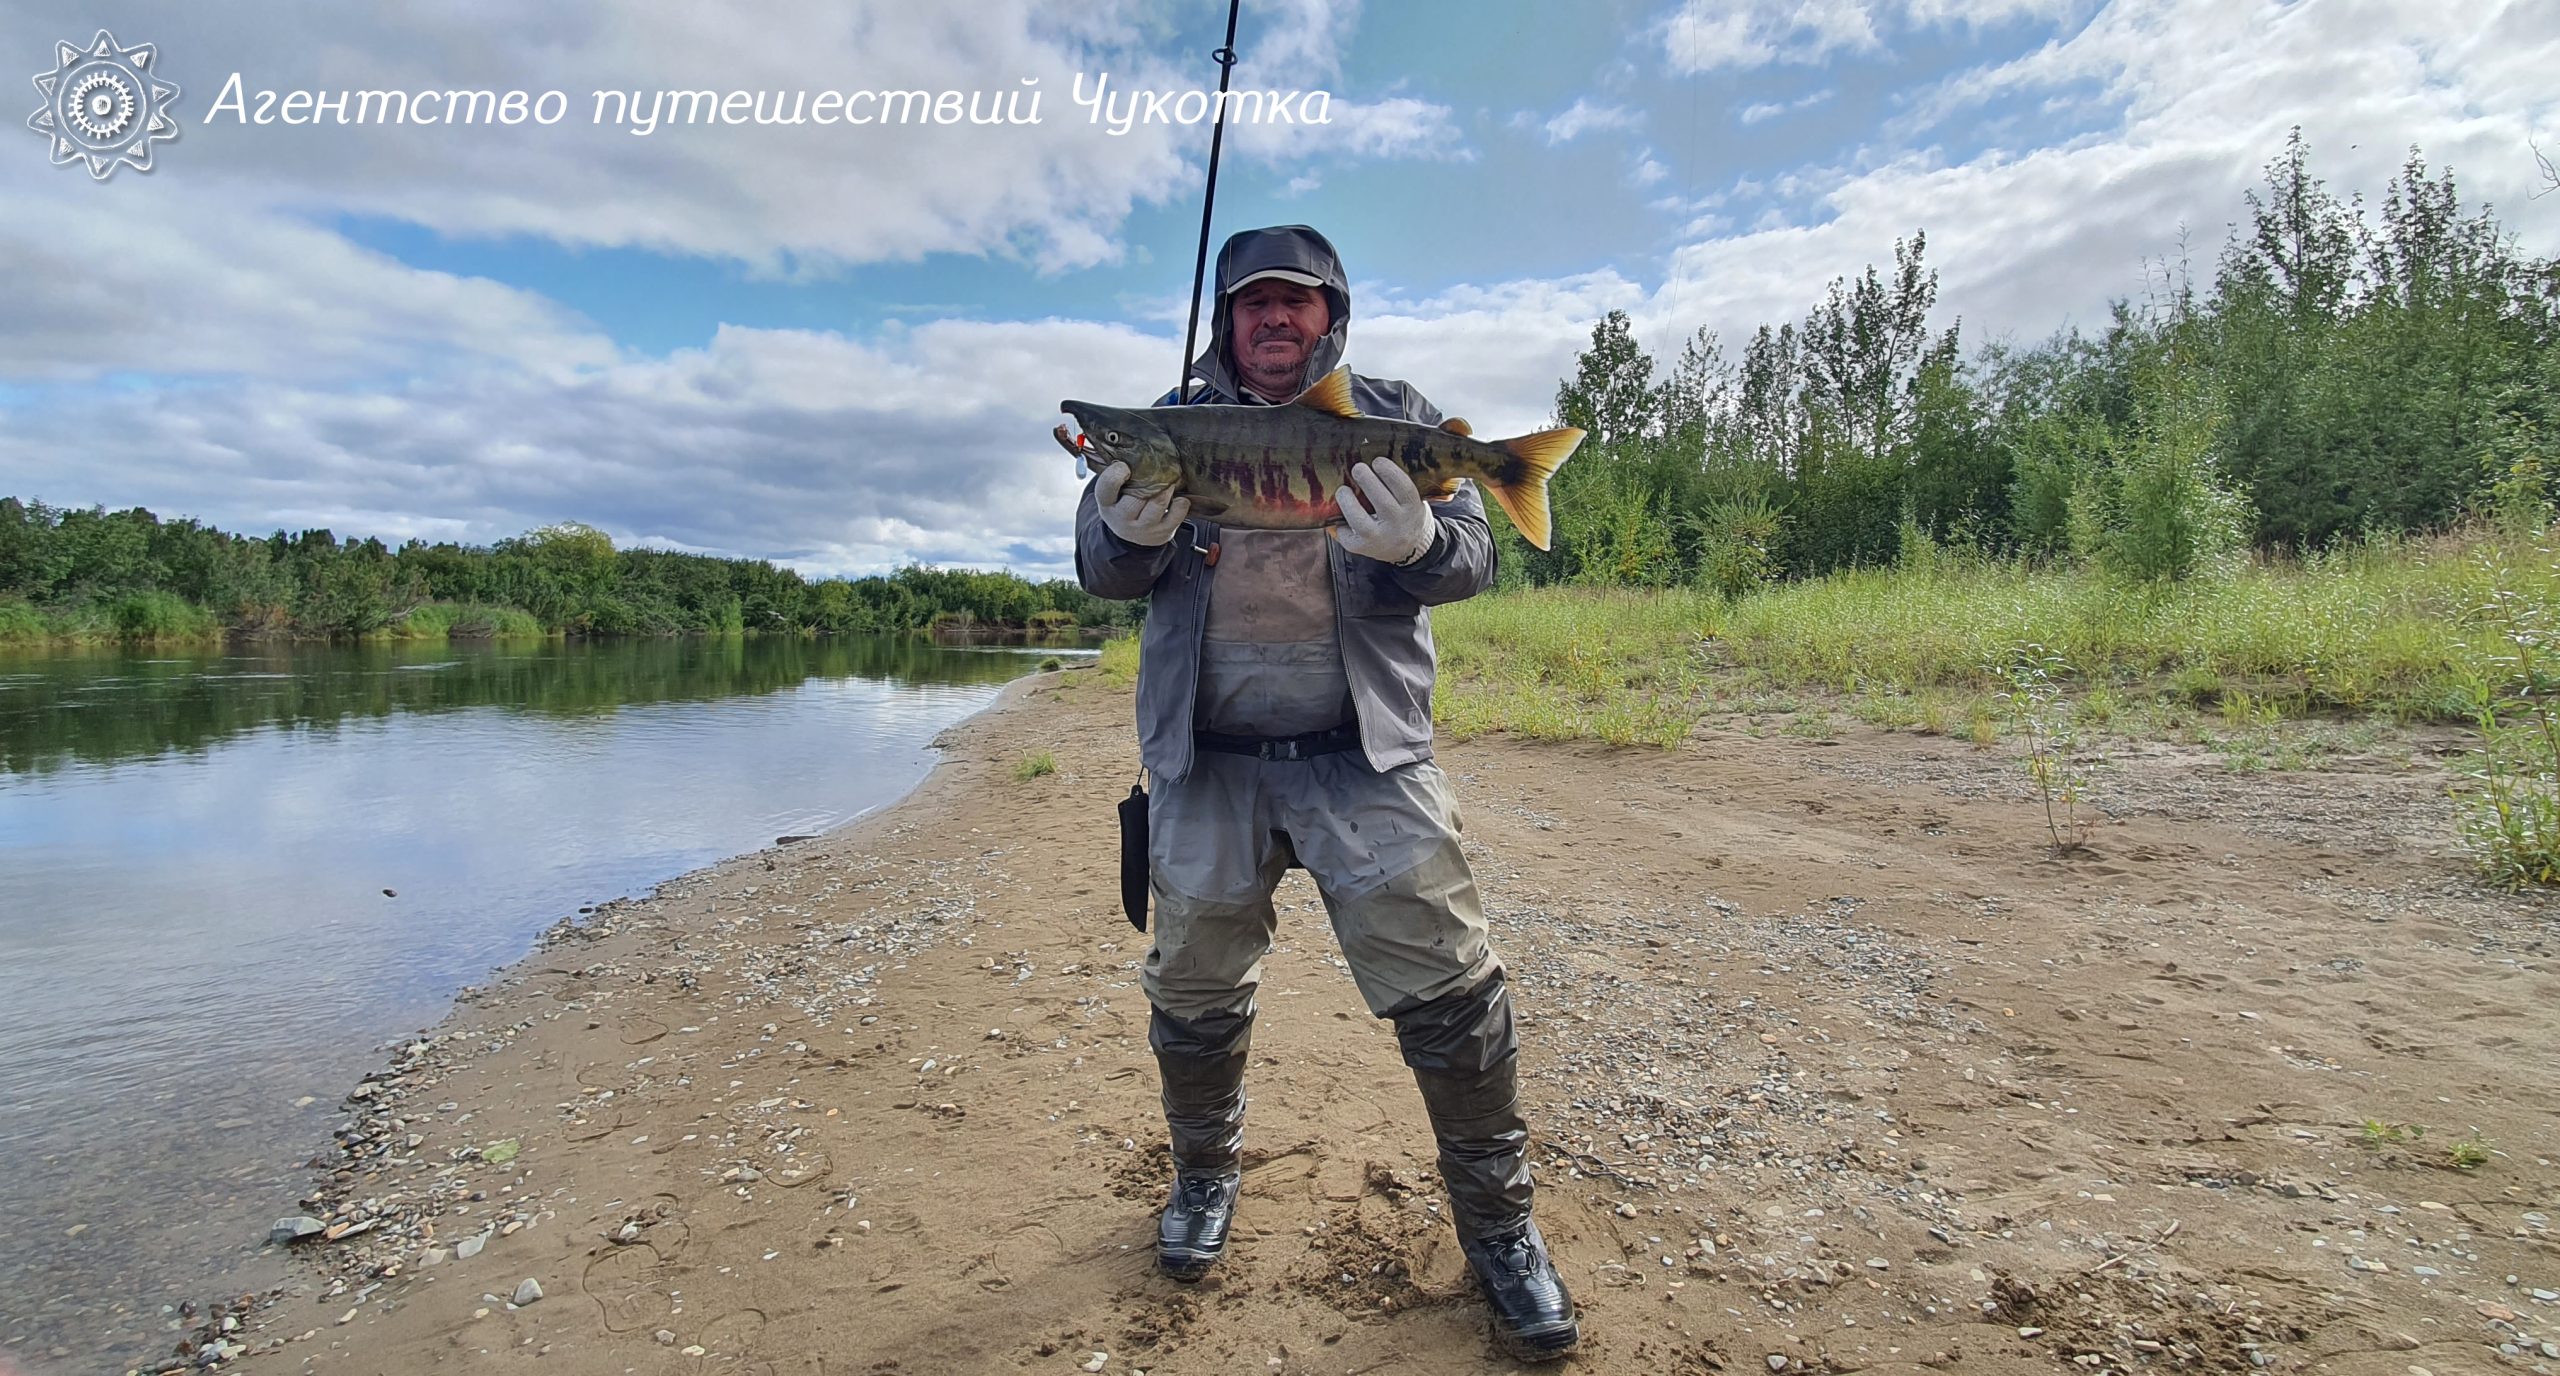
(1547, 1346)
(1185, 1266)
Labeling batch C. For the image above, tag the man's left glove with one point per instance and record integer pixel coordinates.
(1396, 526)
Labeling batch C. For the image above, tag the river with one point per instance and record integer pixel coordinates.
(229, 877)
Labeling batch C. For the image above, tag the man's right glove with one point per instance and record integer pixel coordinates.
(1148, 521)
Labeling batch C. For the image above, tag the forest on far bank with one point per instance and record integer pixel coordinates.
(68, 573)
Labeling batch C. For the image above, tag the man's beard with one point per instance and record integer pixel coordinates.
(1290, 372)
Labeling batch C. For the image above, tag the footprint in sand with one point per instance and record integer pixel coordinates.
(1027, 1250)
(629, 1285)
(731, 1339)
(640, 1031)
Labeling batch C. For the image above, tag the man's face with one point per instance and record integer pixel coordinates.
(1273, 327)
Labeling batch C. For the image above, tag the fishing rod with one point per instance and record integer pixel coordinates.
(1225, 57)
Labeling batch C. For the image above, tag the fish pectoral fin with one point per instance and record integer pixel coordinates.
(1457, 425)
(1331, 394)
(1445, 489)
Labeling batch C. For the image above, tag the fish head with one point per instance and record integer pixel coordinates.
(1121, 434)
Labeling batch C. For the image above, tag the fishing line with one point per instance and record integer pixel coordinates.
(1225, 57)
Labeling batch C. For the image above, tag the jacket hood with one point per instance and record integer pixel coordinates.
(1296, 248)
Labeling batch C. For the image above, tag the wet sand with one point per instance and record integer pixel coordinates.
(1833, 1066)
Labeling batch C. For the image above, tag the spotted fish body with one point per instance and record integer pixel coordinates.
(1281, 467)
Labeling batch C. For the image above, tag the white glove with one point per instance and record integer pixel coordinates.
(1148, 521)
(1396, 526)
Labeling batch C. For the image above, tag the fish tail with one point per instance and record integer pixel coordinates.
(1519, 483)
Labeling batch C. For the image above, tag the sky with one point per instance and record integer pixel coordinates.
(842, 348)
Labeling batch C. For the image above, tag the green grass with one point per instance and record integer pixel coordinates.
(1035, 764)
(2392, 629)
(1567, 663)
(22, 623)
(462, 620)
(2392, 626)
(1119, 661)
(144, 617)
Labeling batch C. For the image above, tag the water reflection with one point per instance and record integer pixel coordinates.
(50, 703)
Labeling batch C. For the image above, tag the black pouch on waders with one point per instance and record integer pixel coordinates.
(1133, 856)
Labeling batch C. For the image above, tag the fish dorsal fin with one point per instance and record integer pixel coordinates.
(1457, 426)
(1331, 394)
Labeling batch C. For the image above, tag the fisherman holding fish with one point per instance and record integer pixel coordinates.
(1289, 523)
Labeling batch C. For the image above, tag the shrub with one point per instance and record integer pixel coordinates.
(158, 615)
(20, 622)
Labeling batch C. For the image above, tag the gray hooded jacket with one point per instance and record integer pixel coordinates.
(1378, 608)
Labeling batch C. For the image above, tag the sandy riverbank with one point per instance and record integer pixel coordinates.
(1835, 1069)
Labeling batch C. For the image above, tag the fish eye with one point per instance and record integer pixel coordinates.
(1111, 437)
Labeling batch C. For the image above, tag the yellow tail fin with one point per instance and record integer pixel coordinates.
(1521, 485)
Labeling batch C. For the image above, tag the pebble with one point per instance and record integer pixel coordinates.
(2545, 1296)
(666, 1337)
(470, 1247)
(296, 1228)
(528, 1290)
(1097, 1361)
(1777, 1362)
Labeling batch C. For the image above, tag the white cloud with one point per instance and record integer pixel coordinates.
(1582, 117)
(1770, 109)
(839, 455)
(175, 280)
(1707, 35)
(1704, 35)
(2200, 94)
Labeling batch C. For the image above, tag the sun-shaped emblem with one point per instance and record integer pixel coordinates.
(103, 106)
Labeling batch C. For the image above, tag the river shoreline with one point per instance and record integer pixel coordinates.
(1833, 1067)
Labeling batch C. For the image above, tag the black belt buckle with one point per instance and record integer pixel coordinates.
(1284, 748)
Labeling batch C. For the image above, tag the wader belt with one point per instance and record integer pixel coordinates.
(1331, 740)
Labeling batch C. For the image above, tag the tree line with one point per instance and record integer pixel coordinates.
(2343, 373)
(70, 571)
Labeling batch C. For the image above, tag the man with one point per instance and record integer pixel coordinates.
(1284, 712)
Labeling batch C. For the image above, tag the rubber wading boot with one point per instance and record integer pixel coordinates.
(1202, 1065)
(1465, 1055)
(1532, 1314)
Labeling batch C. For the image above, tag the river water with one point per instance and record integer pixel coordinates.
(229, 878)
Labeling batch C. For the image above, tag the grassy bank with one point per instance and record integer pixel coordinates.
(157, 618)
(2397, 629)
(462, 621)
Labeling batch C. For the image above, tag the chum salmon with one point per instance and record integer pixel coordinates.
(1279, 467)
